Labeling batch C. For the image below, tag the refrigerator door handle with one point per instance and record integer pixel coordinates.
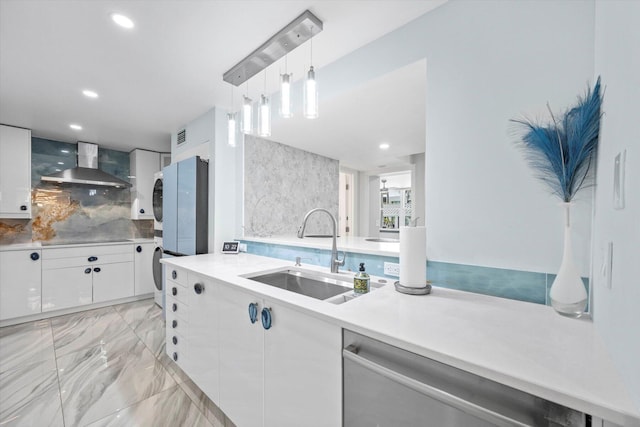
(350, 353)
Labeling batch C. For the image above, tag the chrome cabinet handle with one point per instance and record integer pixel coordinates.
(141, 211)
(35, 256)
(87, 270)
(253, 312)
(92, 258)
(174, 275)
(266, 318)
(174, 307)
(175, 357)
(139, 249)
(97, 270)
(350, 353)
(198, 288)
(174, 291)
(174, 324)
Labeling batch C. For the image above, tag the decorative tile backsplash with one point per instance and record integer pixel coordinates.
(74, 212)
(512, 284)
(282, 184)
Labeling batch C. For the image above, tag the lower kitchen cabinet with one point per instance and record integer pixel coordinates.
(282, 370)
(302, 370)
(76, 276)
(66, 287)
(202, 335)
(241, 357)
(20, 283)
(113, 281)
(143, 264)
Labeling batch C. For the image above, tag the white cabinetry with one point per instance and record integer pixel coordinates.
(202, 336)
(142, 165)
(78, 276)
(143, 264)
(177, 315)
(15, 172)
(20, 283)
(241, 355)
(280, 375)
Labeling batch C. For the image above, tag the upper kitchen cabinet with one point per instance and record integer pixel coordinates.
(142, 165)
(15, 172)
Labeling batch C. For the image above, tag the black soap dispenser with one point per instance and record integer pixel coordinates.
(361, 281)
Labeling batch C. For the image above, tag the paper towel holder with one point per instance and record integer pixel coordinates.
(413, 291)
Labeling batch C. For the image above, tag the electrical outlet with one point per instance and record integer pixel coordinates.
(392, 269)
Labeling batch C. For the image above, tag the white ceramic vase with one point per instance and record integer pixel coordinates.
(568, 294)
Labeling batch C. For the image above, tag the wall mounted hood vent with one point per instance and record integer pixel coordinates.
(87, 171)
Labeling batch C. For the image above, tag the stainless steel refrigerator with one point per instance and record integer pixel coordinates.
(185, 209)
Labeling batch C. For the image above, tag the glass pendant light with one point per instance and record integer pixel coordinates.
(285, 93)
(264, 118)
(247, 115)
(311, 89)
(264, 112)
(231, 129)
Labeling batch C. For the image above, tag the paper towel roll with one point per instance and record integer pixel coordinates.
(413, 257)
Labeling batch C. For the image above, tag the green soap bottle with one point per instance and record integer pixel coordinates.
(361, 281)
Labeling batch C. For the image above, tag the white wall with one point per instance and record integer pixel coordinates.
(617, 60)
(488, 62)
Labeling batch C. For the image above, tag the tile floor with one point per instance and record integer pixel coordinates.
(103, 367)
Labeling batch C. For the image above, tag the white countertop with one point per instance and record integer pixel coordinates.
(523, 345)
(39, 245)
(347, 243)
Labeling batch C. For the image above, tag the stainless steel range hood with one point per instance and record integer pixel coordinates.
(87, 171)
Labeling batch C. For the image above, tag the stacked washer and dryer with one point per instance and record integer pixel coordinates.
(157, 237)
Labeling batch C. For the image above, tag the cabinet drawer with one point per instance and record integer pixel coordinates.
(175, 323)
(178, 351)
(177, 291)
(77, 261)
(85, 251)
(177, 275)
(176, 308)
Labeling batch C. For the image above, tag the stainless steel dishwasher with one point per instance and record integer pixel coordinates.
(385, 386)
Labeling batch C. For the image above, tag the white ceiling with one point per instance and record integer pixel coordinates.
(168, 70)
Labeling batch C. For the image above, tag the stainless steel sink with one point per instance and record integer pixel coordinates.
(304, 283)
(381, 240)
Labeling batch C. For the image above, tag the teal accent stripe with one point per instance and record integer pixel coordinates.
(504, 283)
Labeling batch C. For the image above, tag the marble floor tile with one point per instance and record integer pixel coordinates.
(172, 367)
(97, 381)
(171, 408)
(30, 396)
(26, 343)
(152, 332)
(135, 312)
(78, 333)
(204, 404)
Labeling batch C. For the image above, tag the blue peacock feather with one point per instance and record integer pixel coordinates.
(563, 152)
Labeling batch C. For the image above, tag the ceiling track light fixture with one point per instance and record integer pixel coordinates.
(284, 41)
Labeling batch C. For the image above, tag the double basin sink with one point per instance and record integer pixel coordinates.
(313, 284)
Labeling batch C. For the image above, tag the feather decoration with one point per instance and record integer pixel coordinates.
(563, 152)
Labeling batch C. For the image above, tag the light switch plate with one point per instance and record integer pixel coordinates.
(618, 179)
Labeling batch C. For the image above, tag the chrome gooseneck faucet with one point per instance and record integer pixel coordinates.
(335, 262)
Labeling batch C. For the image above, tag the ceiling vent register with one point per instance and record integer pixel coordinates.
(182, 136)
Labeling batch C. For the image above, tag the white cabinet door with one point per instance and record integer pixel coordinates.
(241, 358)
(142, 165)
(143, 262)
(66, 287)
(202, 335)
(112, 281)
(20, 283)
(302, 370)
(15, 172)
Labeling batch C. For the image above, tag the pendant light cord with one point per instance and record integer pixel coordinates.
(311, 45)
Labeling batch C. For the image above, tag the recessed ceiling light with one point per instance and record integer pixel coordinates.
(89, 93)
(75, 127)
(384, 146)
(64, 151)
(61, 163)
(123, 21)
